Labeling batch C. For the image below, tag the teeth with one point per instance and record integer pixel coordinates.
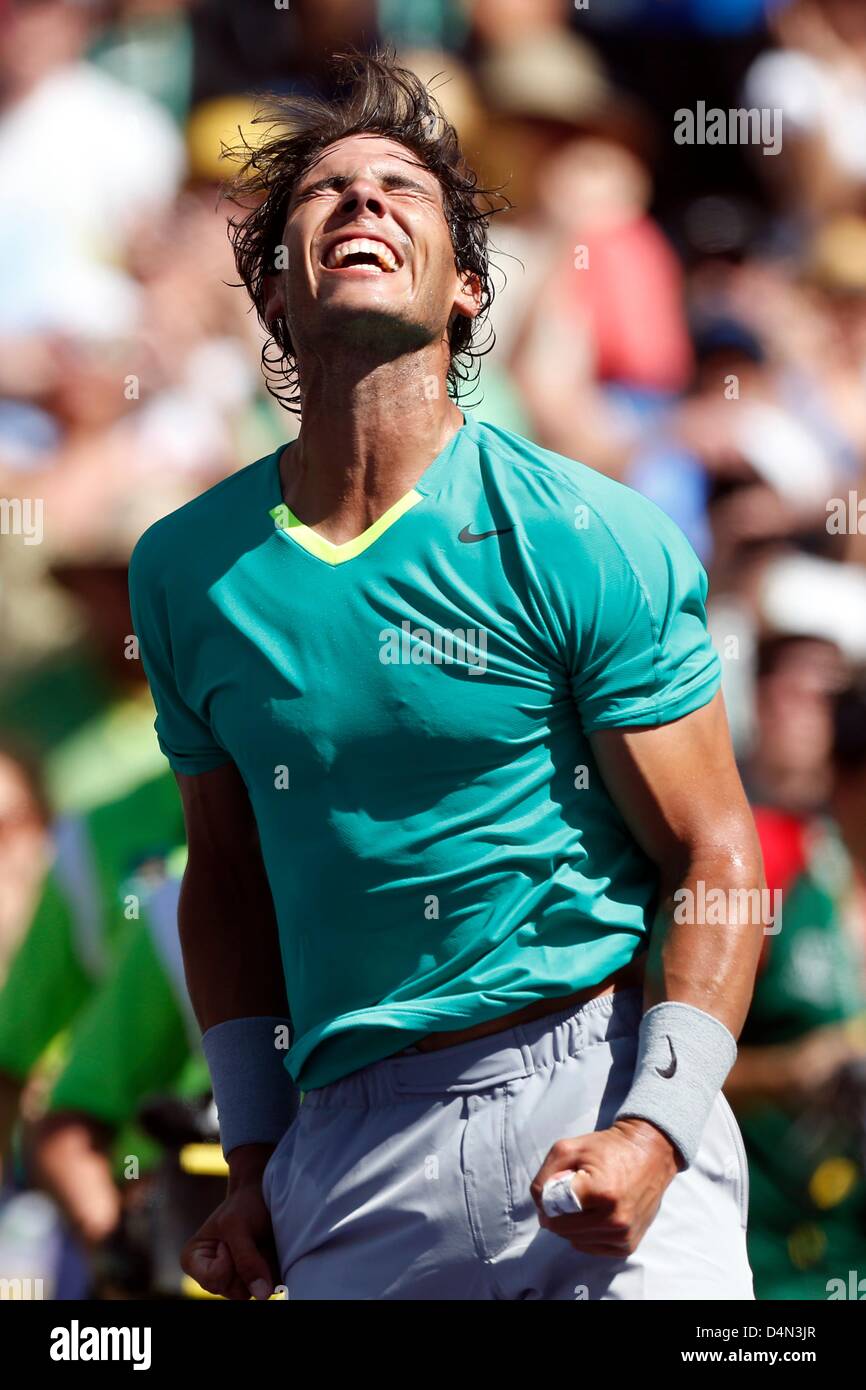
(384, 255)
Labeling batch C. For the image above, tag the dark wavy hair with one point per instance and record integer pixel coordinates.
(375, 97)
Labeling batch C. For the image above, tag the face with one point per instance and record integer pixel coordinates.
(795, 706)
(369, 253)
(22, 849)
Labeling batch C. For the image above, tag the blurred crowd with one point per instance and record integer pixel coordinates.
(687, 314)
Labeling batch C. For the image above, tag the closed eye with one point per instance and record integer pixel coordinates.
(390, 181)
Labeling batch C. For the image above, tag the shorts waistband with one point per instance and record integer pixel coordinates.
(487, 1062)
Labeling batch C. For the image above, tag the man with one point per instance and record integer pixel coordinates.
(445, 721)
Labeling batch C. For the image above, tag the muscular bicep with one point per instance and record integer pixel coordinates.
(678, 789)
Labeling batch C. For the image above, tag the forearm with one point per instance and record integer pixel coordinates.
(707, 939)
(229, 939)
(234, 971)
(226, 918)
(236, 982)
(699, 983)
(795, 1072)
(69, 1159)
(759, 1074)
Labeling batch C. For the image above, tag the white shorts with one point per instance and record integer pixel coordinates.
(410, 1178)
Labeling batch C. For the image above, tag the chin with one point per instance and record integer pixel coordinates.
(364, 320)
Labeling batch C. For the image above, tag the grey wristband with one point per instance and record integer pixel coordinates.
(256, 1098)
(684, 1056)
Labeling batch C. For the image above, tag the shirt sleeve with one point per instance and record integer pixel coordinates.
(185, 738)
(641, 655)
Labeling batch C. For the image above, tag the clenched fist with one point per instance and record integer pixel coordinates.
(619, 1177)
(233, 1253)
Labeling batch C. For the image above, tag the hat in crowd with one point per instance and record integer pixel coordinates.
(817, 598)
(451, 83)
(728, 335)
(216, 127)
(552, 75)
(556, 77)
(784, 454)
(837, 259)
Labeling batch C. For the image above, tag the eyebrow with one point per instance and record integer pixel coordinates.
(389, 178)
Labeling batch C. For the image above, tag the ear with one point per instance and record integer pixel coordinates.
(467, 301)
(275, 299)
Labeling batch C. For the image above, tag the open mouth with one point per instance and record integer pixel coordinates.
(361, 251)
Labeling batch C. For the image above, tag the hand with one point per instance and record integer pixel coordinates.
(620, 1176)
(233, 1253)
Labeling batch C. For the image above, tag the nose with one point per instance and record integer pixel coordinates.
(362, 195)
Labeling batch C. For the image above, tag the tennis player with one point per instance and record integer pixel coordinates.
(457, 783)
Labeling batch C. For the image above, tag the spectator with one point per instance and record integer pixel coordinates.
(799, 1084)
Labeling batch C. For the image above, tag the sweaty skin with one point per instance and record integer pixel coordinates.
(679, 791)
(368, 347)
(373, 357)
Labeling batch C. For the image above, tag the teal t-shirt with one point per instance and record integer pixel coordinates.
(410, 714)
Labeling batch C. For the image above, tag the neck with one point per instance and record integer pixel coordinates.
(368, 432)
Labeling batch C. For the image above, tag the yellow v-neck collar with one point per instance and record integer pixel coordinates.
(291, 526)
(326, 550)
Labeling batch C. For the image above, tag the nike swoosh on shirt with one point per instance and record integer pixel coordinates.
(467, 536)
(668, 1071)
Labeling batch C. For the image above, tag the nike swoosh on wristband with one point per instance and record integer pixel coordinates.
(466, 536)
(668, 1071)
